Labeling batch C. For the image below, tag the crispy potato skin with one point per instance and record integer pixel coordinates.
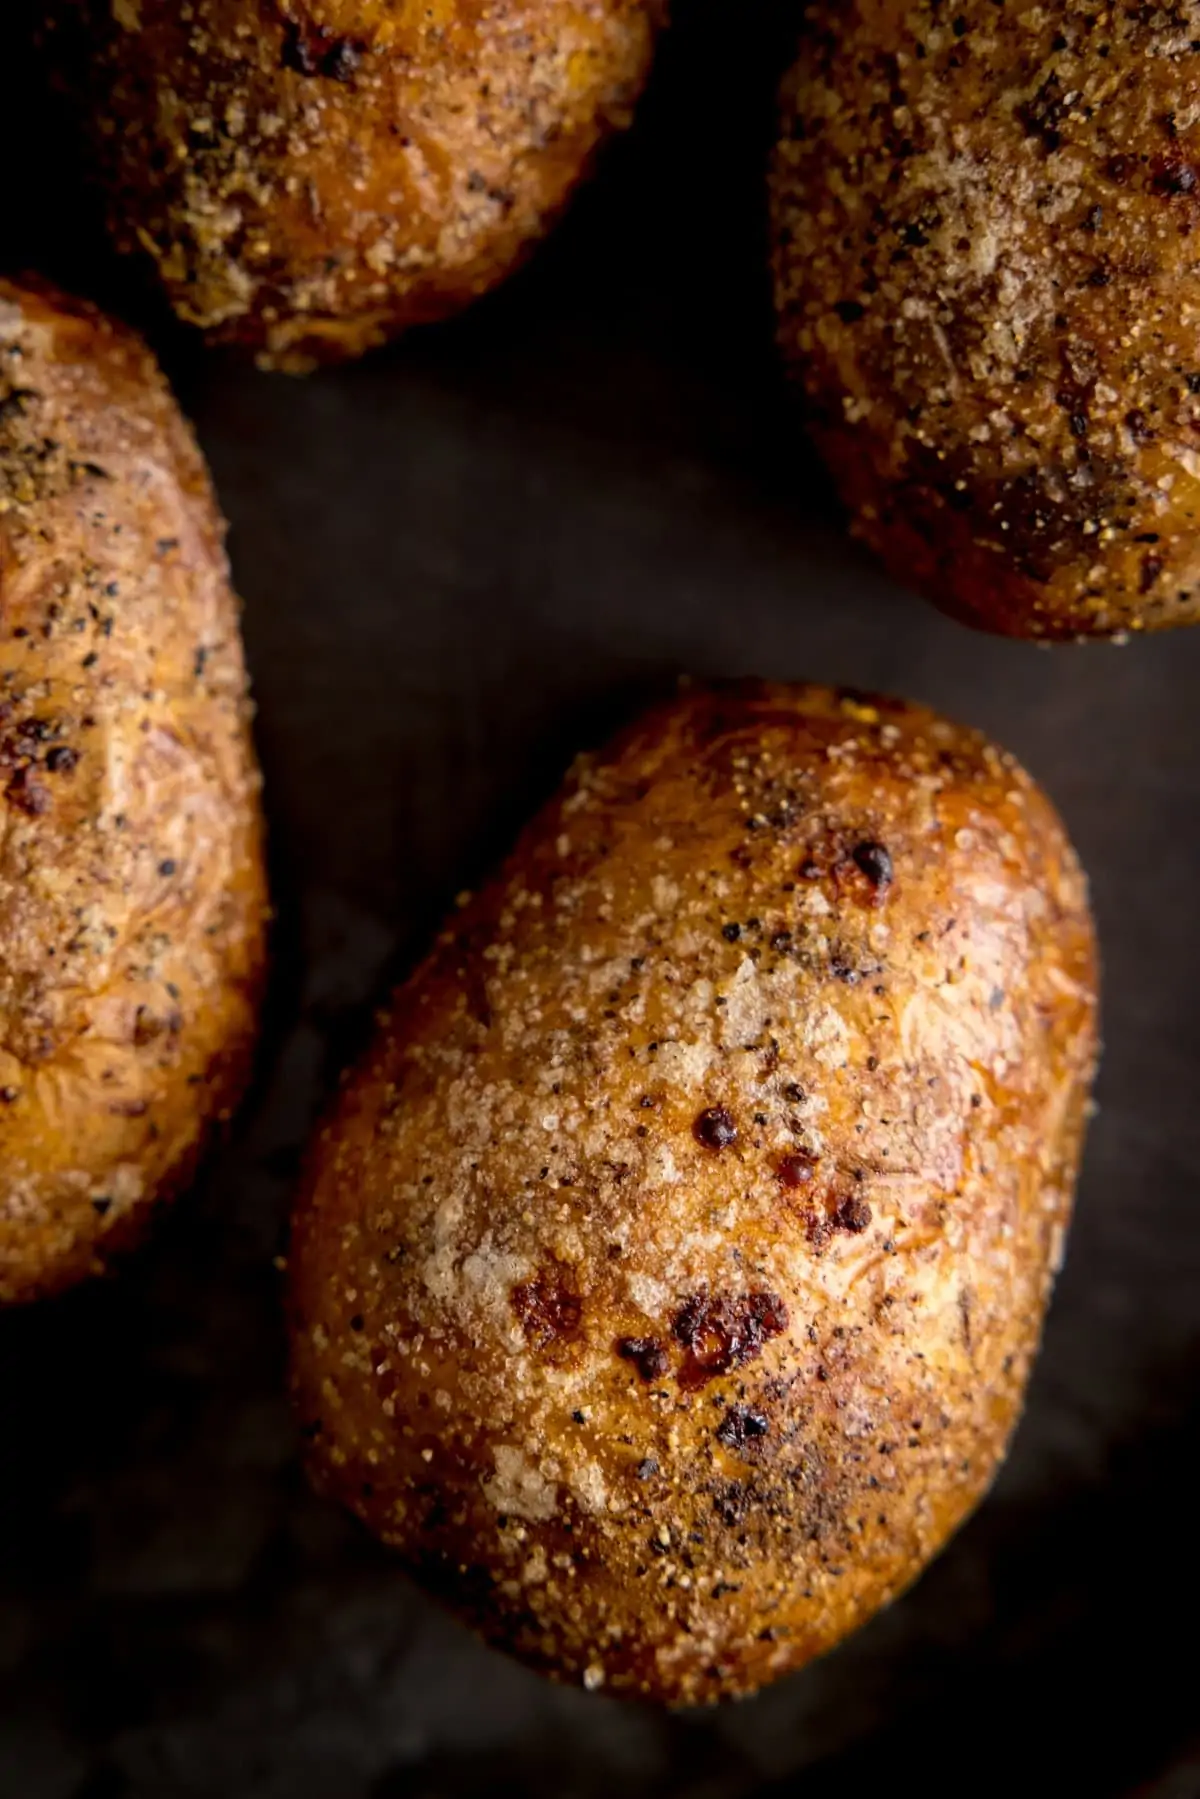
(313, 176)
(985, 230)
(667, 1278)
(132, 901)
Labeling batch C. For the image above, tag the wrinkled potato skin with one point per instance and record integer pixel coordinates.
(314, 177)
(132, 902)
(1003, 204)
(825, 1372)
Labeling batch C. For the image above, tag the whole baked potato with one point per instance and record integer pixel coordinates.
(985, 224)
(132, 900)
(667, 1278)
(313, 176)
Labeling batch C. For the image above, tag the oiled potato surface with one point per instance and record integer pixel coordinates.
(985, 222)
(132, 900)
(668, 1275)
(313, 177)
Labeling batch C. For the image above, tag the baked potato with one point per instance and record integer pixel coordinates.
(984, 225)
(132, 900)
(314, 176)
(665, 1282)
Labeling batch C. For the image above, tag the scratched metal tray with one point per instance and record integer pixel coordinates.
(460, 561)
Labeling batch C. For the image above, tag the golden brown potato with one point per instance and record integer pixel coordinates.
(312, 176)
(667, 1279)
(985, 227)
(132, 903)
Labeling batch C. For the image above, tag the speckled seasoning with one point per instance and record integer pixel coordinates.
(132, 903)
(312, 176)
(985, 230)
(667, 1418)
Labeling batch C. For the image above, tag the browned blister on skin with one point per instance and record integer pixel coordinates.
(132, 902)
(986, 223)
(666, 1280)
(313, 176)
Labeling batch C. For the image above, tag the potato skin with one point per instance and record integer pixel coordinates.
(666, 1280)
(985, 274)
(132, 899)
(314, 177)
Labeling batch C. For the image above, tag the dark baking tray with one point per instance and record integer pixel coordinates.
(461, 560)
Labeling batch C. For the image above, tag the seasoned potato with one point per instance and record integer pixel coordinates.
(312, 176)
(667, 1278)
(985, 267)
(131, 884)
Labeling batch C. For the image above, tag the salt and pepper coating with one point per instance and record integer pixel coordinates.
(132, 901)
(666, 1280)
(314, 176)
(985, 226)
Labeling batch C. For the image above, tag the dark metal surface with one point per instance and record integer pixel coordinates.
(460, 561)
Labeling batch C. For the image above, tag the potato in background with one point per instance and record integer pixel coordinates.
(132, 897)
(985, 226)
(312, 178)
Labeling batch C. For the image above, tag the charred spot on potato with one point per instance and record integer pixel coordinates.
(1173, 176)
(648, 1355)
(873, 860)
(795, 1169)
(842, 967)
(741, 1427)
(731, 1501)
(818, 1230)
(715, 1128)
(549, 1307)
(14, 402)
(1045, 112)
(852, 1213)
(147, 1026)
(722, 1331)
(28, 794)
(312, 49)
(344, 59)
